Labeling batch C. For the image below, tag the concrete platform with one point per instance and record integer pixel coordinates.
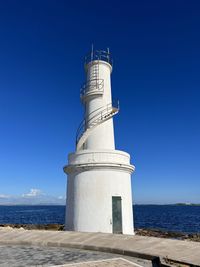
(185, 252)
(43, 256)
(118, 262)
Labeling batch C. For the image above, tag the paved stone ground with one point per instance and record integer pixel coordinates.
(183, 251)
(117, 262)
(21, 256)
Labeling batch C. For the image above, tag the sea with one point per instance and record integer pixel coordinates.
(174, 218)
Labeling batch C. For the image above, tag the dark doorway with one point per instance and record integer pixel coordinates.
(117, 215)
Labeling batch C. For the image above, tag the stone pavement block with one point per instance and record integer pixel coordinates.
(23, 256)
(118, 262)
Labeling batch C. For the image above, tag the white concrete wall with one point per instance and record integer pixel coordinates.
(93, 191)
(98, 172)
(69, 215)
(99, 156)
(90, 190)
(103, 136)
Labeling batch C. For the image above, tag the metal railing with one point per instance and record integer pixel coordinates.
(99, 55)
(95, 117)
(92, 86)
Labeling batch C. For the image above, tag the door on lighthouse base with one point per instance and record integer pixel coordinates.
(117, 215)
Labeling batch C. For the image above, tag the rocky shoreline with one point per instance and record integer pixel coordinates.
(168, 234)
(55, 227)
(140, 231)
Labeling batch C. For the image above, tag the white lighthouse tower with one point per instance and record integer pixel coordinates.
(99, 197)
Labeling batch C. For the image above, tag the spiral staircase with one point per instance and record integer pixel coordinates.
(94, 119)
(94, 87)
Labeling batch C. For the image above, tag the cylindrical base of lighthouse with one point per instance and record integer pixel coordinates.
(99, 196)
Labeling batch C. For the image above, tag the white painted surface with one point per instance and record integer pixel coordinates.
(94, 179)
(98, 172)
(103, 136)
(95, 156)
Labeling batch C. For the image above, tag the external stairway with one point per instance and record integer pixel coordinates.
(94, 87)
(94, 119)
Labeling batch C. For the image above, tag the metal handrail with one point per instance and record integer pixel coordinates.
(92, 85)
(99, 55)
(102, 112)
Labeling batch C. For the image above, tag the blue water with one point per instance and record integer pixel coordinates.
(174, 218)
(184, 219)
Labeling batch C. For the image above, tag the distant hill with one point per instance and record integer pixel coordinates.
(187, 204)
(174, 204)
(29, 200)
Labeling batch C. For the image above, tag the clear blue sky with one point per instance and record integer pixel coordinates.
(156, 51)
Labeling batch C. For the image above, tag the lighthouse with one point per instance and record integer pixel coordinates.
(99, 195)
